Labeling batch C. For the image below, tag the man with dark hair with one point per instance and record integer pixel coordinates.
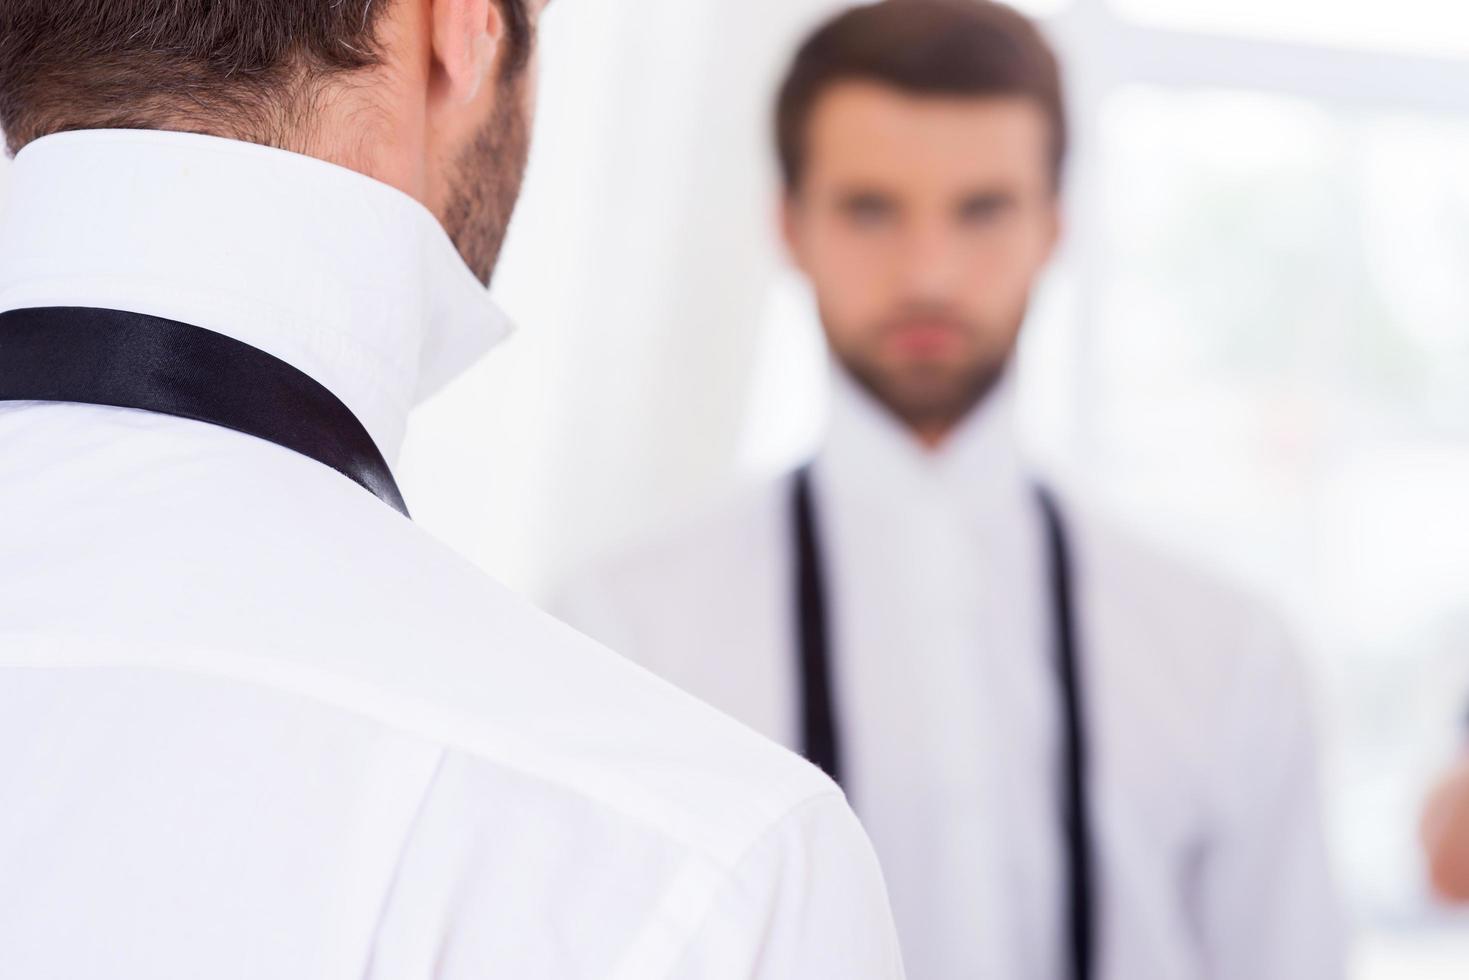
(253, 723)
(1077, 756)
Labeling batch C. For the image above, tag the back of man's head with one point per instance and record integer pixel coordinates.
(430, 96)
(247, 69)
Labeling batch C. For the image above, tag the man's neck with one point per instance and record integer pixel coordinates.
(932, 436)
(933, 431)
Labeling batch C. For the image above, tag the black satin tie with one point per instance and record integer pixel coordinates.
(128, 360)
(820, 731)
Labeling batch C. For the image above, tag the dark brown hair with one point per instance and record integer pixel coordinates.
(924, 47)
(243, 68)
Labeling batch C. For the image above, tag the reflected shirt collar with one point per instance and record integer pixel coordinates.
(344, 277)
(869, 454)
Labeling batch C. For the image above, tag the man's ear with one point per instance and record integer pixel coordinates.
(468, 36)
(790, 226)
(1056, 229)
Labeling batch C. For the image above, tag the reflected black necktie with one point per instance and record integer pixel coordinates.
(821, 734)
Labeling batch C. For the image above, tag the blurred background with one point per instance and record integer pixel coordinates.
(1256, 344)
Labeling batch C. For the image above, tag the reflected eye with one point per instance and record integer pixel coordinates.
(868, 210)
(983, 209)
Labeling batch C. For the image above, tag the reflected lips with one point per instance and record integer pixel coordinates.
(925, 338)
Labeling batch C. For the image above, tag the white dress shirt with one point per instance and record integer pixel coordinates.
(253, 723)
(1203, 789)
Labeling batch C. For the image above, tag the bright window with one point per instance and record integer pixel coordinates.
(1427, 27)
(1287, 278)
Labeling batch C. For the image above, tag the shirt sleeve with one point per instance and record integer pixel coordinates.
(1268, 904)
(807, 902)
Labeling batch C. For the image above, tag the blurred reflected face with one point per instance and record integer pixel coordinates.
(923, 223)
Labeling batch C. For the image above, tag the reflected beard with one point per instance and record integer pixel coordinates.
(487, 183)
(932, 397)
(929, 399)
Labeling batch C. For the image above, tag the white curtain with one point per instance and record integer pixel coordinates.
(641, 267)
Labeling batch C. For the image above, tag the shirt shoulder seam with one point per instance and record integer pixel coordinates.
(410, 834)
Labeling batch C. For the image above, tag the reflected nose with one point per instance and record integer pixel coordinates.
(931, 266)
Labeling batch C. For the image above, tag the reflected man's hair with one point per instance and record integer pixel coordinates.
(964, 48)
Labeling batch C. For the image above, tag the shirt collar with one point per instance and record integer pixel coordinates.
(345, 278)
(871, 455)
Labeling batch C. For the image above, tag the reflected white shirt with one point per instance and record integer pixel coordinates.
(1204, 801)
(255, 724)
